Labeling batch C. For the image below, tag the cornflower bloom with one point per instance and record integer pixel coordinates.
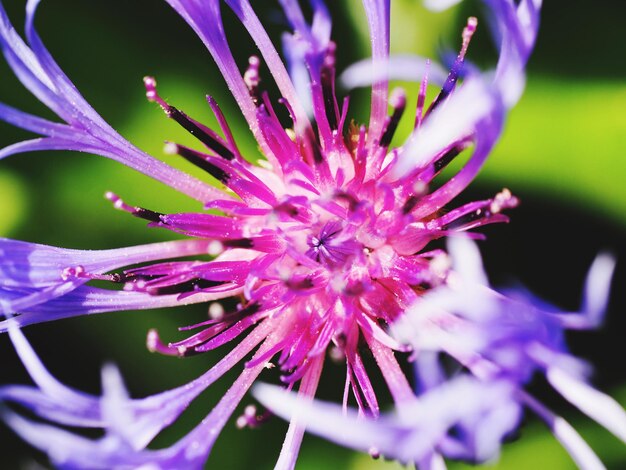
(324, 241)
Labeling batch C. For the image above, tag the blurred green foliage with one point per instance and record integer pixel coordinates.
(565, 141)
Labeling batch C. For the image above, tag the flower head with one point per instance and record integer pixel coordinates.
(324, 241)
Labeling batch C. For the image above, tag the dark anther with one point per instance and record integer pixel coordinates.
(288, 209)
(198, 159)
(467, 218)
(394, 119)
(311, 135)
(306, 283)
(189, 286)
(353, 203)
(188, 124)
(446, 158)
(250, 309)
(317, 153)
(444, 93)
(128, 277)
(410, 204)
(239, 243)
(329, 99)
(457, 70)
(255, 94)
(117, 277)
(147, 214)
(187, 352)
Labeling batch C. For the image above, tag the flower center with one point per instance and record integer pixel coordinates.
(334, 246)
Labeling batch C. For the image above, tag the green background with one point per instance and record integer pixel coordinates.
(561, 153)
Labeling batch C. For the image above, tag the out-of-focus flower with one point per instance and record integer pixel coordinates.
(494, 345)
(324, 242)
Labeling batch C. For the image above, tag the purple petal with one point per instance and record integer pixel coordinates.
(578, 449)
(440, 5)
(378, 17)
(472, 104)
(34, 123)
(295, 433)
(414, 430)
(90, 133)
(597, 288)
(602, 408)
(206, 20)
(246, 15)
(34, 274)
(466, 260)
(130, 423)
(397, 67)
(86, 300)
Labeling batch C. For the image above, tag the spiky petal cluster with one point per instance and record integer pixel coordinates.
(324, 242)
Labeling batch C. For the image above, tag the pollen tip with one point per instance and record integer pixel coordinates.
(215, 248)
(151, 92)
(72, 272)
(336, 354)
(254, 61)
(111, 196)
(117, 201)
(216, 311)
(153, 340)
(170, 148)
(503, 200)
(247, 418)
(420, 188)
(251, 76)
(117, 277)
(149, 82)
(397, 98)
(468, 32)
(330, 57)
(440, 265)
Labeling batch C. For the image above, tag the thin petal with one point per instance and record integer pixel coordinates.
(295, 433)
(41, 76)
(246, 15)
(440, 5)
(575, 445)
(467, 260)
(472, 103)
(378, 17)
(87, 300)
(206, 20)
(597, 287)
(604, 409)
(396, 67)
